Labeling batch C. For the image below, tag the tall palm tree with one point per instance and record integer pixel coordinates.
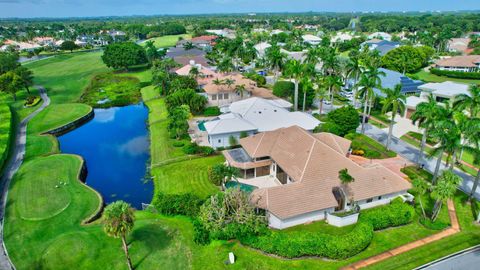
(229, 82)
(421, 187)
(240, 89)
(26, 75)
(276, 59)
(369, 80)
(321, 92)
(306, 86)
(472, 136)
(445, 189)
(118, 219)
(313, 56)
(294, 70)
(425, 115)
(194, 72)
(334, 85)
(394, 102)
(470, 102)
(355, 70)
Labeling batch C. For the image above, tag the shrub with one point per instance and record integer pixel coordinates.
(437, 225)
(358, 152)
(178, 144)
(283, 89)
(177, 204)
(395, 214)
(201, 235)
(456, 74)
(190, 149)
(301, 243)
(259, 79)
(205, 150)
(212, 111)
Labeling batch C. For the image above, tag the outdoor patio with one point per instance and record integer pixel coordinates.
(261, 182)
(198, 136)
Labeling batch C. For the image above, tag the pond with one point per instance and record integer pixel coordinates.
(115, 147)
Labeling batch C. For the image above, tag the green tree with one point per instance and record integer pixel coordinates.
(195, 102)
(178, 121)
(194, 72)
(394, 102)
(68, 45)
(421, 186)
(219, 174)
(11, 83)
(229, 82)
(294, 70)
(342, 121)
(275, 59)
(151, 51)
(26, 75)
(188, 45)
(469, 102)
(232, 141)
(370, 79)
(8, 62)
(124, 55)
(346, 179)
(426, 113)
(118, 219)
(240, 89)
(445, 189)
(404, 59)
(472, 145)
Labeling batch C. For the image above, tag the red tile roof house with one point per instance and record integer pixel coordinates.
(201, 41)
(464, 63)
(296, 175)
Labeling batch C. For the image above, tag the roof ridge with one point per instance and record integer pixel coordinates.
(308, 159)
(258, 144)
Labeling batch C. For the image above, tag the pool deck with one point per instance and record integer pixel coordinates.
(198, 136)
(261, 182)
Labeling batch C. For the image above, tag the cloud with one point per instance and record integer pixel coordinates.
(105, 115)
(135, 147)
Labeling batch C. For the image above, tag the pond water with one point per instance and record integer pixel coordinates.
(116, 149)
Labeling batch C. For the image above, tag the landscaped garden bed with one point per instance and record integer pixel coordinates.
(371, 148)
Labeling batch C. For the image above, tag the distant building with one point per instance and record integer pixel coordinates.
(261, 48)
(382, 46)
(311, 39)
(228, 33)
(200, 42)
(380, 35)
(464, 63)
(341, 37)
(185, 57)
(458, 45)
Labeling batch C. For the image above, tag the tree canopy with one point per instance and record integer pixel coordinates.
(124, 55)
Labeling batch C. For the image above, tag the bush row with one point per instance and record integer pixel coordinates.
(6, 130)
(395, 214)
(298, 244)
(177, 204)
(456, 74)
(193, 148)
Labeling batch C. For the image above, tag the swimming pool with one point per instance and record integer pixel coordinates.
(244, 187)
(201, 125)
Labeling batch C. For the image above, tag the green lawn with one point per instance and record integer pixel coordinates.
(41, 145)
(57, 115)
(372, 149)
(168, 41)
(429, 77)
(6, 132)
(65, 76)
(189, 176)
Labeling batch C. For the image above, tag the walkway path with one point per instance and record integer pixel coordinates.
(455, 228)
(410, 153)
(11, 168)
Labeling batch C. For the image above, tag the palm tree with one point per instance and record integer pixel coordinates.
(118, 219)
(321, 94)
(306, 85)
(334, 85)
(394, 102)
(355, 70)
(229, 82)
(194, 72)
(26, 75)
(346, 179)
(369, 80)
(276, 59)
(240, 89)
(421, 187)
(225, 65)
(444, 190)
(313, 56)
(294, 70)
(425, 115)
(473, 146)
(470, 102)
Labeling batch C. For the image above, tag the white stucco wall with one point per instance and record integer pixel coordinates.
(222, 140)
(277, 223)
(376, 202)
(342, 221)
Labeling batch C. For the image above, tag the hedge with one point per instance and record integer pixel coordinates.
(300, 243)
(456, 74)
(283, 89)
(177, 204)
(211, 111)
(6, 132)
(193, 148)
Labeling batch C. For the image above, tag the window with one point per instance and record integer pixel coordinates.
(225, 96)
(219, 140)
(379, 197)
(214, 97)
(369, 200)
(220, 96)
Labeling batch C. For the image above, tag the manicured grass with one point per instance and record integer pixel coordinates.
(372, 148)
(189, 176)
(65, 76)
(109, 90)
(429, 77)
(6, 132)
(167, 41)
(149, 93)
(143, 73)
(41, 145)
(55, 116)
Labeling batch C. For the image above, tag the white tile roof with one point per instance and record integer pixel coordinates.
(228, 123)
(311, 38)
(446, 89)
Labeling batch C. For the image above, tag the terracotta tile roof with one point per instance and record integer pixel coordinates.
(460, 61)
(313, 163)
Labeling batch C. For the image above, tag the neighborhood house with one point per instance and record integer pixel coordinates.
(296, 175)
(463, 63)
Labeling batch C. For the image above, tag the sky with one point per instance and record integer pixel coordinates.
(90, 8)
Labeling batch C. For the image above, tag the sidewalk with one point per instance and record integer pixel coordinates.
(455, 228)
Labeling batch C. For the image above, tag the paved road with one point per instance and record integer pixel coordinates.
(465, 260)
(410, 153)
(11, 168)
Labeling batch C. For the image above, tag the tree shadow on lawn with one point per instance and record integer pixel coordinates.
(148, 239)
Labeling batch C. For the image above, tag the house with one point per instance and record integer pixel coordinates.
(380, 35)
(21, 46)
(341, 37)
(200, 42)
(220, 93)
(442, 92)
(311, 39)
(184, 57)
(463, 63)
(255, 115)
(296, 175)
(204, 74)
(227, 33)
(299, 56)
(276, 32)
(44, 41)
(458, 45)
(382, 46)
(261, 48)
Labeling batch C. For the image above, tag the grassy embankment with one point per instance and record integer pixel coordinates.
(167, 41)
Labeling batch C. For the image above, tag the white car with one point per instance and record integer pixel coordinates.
(327, 102)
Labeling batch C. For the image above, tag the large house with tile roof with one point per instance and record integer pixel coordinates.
(297, 176)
